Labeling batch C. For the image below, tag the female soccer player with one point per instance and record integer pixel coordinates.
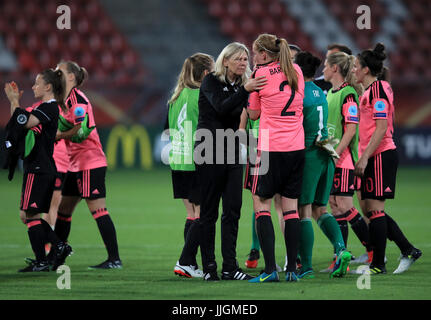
(61, 160)
(183, 117)
(378, 163)
(39, 166)
(86, 174)
(280, 146)
(343, 119)
(222, 97)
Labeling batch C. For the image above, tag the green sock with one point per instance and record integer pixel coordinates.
(332, 231)
(254, 238)
(306, 244)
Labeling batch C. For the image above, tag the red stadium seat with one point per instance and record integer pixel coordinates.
(276, 9)
(248, 26)
(256, 9)
(227, 26)
(267, 25)
(216, 9)
(234, 9)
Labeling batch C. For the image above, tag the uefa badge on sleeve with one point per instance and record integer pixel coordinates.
(21, 119)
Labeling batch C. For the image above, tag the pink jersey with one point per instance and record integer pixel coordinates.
(60, 155)
(377, 103)
(89, 153)
(349, 116)
(281, 110)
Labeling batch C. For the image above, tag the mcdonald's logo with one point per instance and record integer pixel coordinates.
(129, 138)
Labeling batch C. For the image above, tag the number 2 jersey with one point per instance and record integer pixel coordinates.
(87, 154)
(280, 127)
(377, 103)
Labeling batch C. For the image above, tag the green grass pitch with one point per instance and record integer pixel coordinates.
(150, 225)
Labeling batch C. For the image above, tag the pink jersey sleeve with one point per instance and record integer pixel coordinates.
(350, 110)
(254, 101)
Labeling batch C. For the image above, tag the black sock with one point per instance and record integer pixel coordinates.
(292, 233)
(37, 237)
(62, 226)
(108, 233)
(344, 227)
(191, 244)
(378, 233)
(395, 234)
(50, 234)
(265, 232)
(359, 227)
(187, 226)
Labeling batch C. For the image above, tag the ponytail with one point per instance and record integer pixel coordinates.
(192, 73)
(80, 73)
(58, 83)
(287, 65)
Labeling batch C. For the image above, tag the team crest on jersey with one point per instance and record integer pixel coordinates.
(353, 110)
(379, 105)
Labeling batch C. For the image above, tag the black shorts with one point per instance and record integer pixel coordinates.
(344, 182)
(36, 193)
(380, 176)
(185, 186)
(59, 180)
(284, 174)
(87, 184)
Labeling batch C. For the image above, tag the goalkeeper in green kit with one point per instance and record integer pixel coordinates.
(318, 174)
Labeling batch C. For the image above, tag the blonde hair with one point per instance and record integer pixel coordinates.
(278, 50)
(192, 73)
(345, 63)
(231, 50)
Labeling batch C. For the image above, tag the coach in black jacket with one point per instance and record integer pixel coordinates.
(223, 95)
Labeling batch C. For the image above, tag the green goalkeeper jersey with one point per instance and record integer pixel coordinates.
(183, 119)
(315, 114)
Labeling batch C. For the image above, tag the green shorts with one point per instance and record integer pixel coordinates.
(317, 178)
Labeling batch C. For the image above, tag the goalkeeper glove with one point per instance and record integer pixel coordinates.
(83, 132)
(64, 125)
(328, 145)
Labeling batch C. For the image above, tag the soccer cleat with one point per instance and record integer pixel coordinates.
(306, 274)
(372, 270)
(331, 266)
(407, 260)
(291, 276)
(108, 264)
(265, 277)
(187, 271)
(211, 276)
(341, 264)
(363, 259)
(376, 270)
(62, 251)
(253, 259)
(235, 275)
(36, 266)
